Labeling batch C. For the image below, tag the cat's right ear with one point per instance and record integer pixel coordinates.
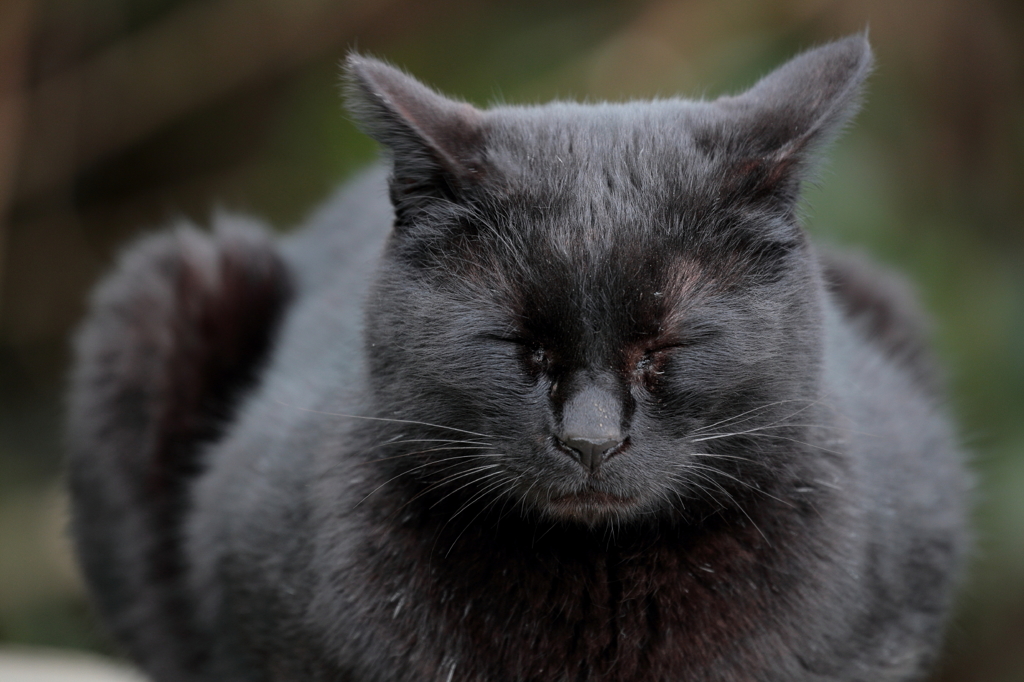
(435, 143)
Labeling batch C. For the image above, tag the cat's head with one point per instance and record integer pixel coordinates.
(594, 293)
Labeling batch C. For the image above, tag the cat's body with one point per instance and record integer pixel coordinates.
(605, 419)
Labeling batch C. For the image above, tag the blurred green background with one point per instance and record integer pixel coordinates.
(117, 116)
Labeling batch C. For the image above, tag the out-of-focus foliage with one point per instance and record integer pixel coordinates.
(117, 116)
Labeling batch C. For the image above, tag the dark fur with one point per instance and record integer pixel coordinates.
(176, 335)
(785, 500)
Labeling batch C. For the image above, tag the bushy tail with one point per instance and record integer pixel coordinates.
(174, 338)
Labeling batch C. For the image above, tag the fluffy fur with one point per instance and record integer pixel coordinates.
(606, 414)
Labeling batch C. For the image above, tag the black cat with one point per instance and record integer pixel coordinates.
(602, 413)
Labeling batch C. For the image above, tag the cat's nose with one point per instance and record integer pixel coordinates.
(591, 452)
(591, 423)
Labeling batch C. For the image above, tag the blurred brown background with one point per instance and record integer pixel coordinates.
(117, 116)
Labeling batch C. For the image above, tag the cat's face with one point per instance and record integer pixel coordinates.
(594, 296)
(594, 326)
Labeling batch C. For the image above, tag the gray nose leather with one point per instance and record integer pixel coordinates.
(591, 453)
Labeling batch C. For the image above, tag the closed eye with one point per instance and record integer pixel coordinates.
(692, 336)
(506, 339)
(668, 347)
(654, 358)
(537, 357)
(686, 342)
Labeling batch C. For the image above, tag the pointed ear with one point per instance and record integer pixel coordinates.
(436, 144)
(774, 130)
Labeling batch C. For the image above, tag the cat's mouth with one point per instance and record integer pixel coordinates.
(590, 505)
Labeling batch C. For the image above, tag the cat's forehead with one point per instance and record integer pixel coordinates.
(624, 147)
(603, 174)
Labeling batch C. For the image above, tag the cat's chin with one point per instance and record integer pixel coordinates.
(591, 507)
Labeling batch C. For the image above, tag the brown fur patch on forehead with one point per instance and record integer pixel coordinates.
(686, 283)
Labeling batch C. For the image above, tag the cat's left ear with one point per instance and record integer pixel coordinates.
(436, 144)
(774, 130)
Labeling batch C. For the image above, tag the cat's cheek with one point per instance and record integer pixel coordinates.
(542, 390)
(683, 401)
(709, 367)
(644, 397)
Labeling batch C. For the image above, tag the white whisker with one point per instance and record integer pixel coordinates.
(389, 419)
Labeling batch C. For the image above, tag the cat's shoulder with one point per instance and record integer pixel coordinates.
(345, 234)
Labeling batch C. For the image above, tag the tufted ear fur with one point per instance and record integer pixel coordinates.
(435, 142)
(772, 131)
